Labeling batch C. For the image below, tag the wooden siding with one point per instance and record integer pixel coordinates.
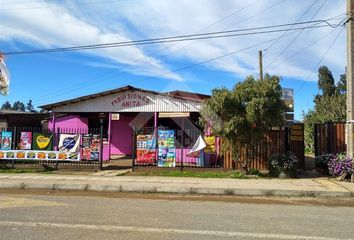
(329, 138)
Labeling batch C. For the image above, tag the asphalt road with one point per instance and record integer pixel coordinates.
(47, 217)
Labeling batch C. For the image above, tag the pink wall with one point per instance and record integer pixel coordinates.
(70, 121)
(122, 136)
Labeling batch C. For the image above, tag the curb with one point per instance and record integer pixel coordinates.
(137, 188)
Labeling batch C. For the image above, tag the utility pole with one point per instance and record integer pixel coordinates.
(350, 81)
(260, 59)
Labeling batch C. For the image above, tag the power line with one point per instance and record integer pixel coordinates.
(112, 73)
(319, 62)
(275, 42)
(191, 37)
(294, 39)
(244, 20)
(303, 49)
(197, 64)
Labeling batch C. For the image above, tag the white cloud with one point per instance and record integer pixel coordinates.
(52, 27)
(136, 19)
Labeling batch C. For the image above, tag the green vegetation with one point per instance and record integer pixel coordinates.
(243, 115)
(197, 174)
(330, 104)
(4, 169)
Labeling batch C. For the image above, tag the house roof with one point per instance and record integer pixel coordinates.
(175, 94)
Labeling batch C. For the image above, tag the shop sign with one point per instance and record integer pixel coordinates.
(297, 133)
(115, 116)
(128, 100)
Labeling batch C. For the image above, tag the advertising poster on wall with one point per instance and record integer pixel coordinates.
(38, 155)
(25, 141)
(86, 147)
(210, 144)
(166, 148)
(42, 141)
(95, 147)
(146, 149)
(70, 144)
(6, 140)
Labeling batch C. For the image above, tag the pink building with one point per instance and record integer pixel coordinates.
(124, 109)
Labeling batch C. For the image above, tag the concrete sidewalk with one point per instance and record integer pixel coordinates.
(317, 187)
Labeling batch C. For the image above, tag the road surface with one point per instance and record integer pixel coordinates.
(26, 216)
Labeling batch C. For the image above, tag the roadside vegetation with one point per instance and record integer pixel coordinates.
(197, 174)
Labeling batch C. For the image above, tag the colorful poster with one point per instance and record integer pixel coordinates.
(86, 144)
(42, 141)
(166, 148)
(146, 149)
(6, 140)
(95, 147)
(25, 141)
(210, 144)
(38, 155)
(69, 143)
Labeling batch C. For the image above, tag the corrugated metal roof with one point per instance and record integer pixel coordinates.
(129, 99)
(174, 94)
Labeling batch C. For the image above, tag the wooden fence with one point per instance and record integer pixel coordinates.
(329, 138)
(275, 141)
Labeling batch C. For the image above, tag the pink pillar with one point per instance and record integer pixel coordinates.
(155, 133)
(109, 134)
(155, 120)
(54, 130)
(53, 121)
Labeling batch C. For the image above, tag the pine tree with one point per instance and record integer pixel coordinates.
(326, 81)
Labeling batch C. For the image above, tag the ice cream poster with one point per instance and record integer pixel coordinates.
(6, 140)
(166, 148)
(25, 141)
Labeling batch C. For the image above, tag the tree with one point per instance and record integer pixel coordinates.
(30, 107)
(18, 106)
(243, 115)
(6, 106)
(326, 81)
(330, 106)
(341, 87)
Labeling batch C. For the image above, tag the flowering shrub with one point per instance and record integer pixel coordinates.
(283, 163)
(339, 165)
(321, 161)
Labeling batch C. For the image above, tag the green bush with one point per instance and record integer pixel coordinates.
(286, 163)
(321, 161)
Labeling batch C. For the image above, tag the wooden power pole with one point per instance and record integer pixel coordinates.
(350, 81)
(260, 59)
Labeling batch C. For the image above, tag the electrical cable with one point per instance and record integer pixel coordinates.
(266, 50)
(294, 39)
(319, 62)
(197, 64)
(191, 37)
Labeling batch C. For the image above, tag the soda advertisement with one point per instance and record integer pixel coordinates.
(25, 141)
(166, 148)
(6, 140)
(146, 149)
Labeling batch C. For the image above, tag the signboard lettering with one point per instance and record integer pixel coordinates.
(130, 100)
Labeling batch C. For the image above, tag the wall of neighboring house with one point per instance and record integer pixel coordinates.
(122, 136)
(69, 122)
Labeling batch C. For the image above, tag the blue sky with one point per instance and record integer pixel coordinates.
(52, 77)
